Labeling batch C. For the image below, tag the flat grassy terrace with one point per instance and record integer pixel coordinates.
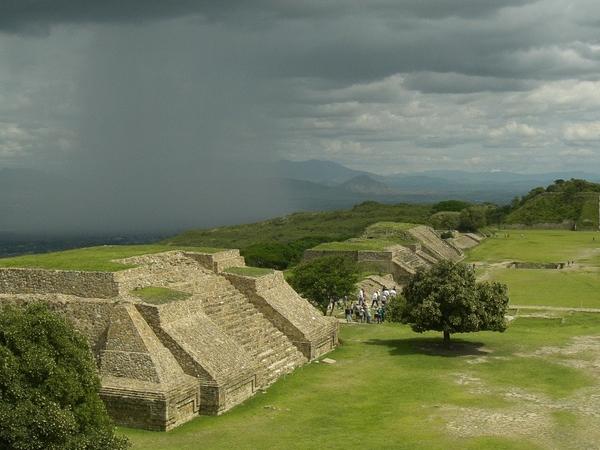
(576, 286)
(531, 387)
(159, 295)
(93, 258)
(539, 246)
(569, 288)
(356, 245)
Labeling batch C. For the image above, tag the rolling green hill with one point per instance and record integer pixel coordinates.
(280, 242)
(573, 201)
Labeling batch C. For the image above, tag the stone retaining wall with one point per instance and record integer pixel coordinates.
(42, 281)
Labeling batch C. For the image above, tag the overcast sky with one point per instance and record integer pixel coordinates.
(384, 85)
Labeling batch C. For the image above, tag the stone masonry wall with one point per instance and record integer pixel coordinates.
(41, 281)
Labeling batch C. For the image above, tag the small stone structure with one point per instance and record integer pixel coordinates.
(163, 364)
(402, 261)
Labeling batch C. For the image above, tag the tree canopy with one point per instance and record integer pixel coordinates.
(324, 279)
(447, 298)
(49, 386)
(473, 218)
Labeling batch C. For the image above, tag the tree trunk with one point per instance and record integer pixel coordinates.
(446, 339)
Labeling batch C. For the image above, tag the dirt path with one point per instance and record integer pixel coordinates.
(533, 415)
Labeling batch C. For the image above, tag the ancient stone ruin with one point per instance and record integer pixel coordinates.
(425, 248)
(163, 363)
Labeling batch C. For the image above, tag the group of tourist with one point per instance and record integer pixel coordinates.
(362, 312)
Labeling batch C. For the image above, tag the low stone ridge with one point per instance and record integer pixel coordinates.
(163, 364)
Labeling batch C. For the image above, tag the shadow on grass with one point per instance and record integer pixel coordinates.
(432, 347)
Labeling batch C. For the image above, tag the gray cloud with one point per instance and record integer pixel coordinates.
(176, 103)
(39, 15)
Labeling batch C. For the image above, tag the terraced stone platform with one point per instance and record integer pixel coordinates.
(208, 349)
(402, 260)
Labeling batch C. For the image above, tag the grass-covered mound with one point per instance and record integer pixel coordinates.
(280, 242)
(376, 237)
(392, 388)
(159, 295)
(574, 201)
(93, 258)
(553, 207)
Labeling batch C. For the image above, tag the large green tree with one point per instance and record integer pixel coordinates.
(322, 280)
(473, 218)
(49, 386)
(447, 298)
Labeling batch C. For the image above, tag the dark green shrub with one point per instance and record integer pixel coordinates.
(450, 205)
(49, 386)
(445, 220)
(324, 279)
(394, 309)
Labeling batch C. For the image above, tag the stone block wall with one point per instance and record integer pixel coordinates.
(217, 262)
(41, 281)
(140, 405)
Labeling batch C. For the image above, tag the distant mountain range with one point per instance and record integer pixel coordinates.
(36, 202)
(329, 179)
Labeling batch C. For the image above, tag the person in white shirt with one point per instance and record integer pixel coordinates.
(361, 296)
(375, 299)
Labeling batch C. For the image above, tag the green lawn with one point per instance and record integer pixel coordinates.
(392, 388)
(93, 258)
(572, 287)
(159, 295)
(578, 289)
(539, 246)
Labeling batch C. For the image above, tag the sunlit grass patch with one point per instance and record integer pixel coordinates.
(159, 295)
(99, 258)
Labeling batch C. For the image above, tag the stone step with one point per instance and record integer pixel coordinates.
(238, 318)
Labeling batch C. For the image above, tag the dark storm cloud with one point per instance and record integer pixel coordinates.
(38, 15)
(156, 105)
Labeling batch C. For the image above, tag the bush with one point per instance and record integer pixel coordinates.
(49, 386)
(445, 220)
(473, 218)
(324, 279)
(394, 309)
(280, 256)
(450, 205)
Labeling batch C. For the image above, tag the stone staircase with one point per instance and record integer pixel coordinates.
(374, 283)
(434, 245)
(411, 259)
(238, 318)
